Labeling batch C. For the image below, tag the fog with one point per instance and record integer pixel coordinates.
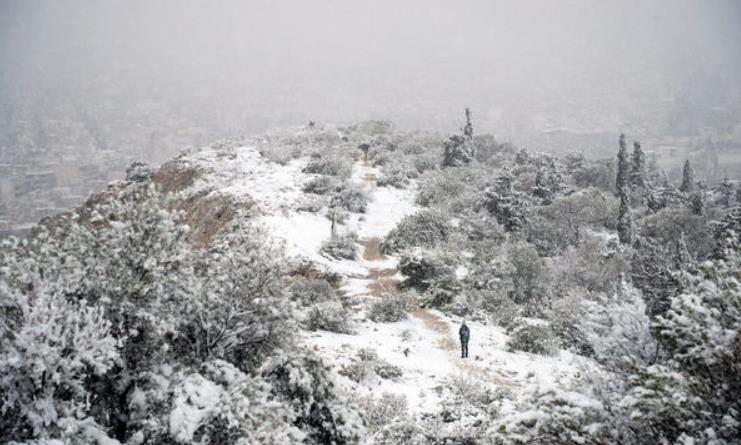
(235, 66)
(143, 79)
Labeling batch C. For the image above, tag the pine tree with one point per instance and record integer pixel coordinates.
(622, 179)
(638, 167)
(625, 221)
(688, 178)
(459, 150)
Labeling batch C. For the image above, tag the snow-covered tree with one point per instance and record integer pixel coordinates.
(693, 396)
(625, 220)
(688, 178)
(622, 180)
(241, 313)
(638, 167)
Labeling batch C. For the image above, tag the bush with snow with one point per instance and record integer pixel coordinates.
(310, 291)
(392, 307)
(395, 177)
(242, 313)
(321, 185)
(49, 349)
(329, 165)
(329, 316)
(351, 198)
(378, 412)
(321, 410)
(534, 337)
(367, 364)
(341, 246)
(422, 229)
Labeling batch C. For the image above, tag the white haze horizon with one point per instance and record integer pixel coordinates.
(653, 69)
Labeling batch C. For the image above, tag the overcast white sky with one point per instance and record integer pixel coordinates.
(568, 63)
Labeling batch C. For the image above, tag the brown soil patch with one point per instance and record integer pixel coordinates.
(443, 329)
(208, 216)
(379, 286)
(372, 249)
(174, 176)
(375, 274)
(370, 177)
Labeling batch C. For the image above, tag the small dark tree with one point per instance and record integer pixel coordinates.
(638, 167)
(688, 178)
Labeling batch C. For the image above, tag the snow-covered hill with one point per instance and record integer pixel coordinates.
(425, 345)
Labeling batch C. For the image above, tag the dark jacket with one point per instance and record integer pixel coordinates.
(464, 333)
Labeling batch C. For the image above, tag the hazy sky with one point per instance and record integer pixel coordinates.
(581, 65)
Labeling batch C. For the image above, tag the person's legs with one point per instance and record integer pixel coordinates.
(466, 349)
(463, 350)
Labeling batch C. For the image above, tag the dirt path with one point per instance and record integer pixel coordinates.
(383, 279)
(447, 343)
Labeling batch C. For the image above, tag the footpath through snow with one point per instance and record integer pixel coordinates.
(425, 346)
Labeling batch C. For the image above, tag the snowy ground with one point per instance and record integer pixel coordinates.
(424, 346)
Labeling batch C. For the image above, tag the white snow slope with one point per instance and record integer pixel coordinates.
(424, 346)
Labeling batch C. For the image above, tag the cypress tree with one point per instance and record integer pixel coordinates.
(638, 170)
(623, 169)
(688, 178)
(625, 221)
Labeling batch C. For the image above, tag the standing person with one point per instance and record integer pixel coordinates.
(464, 333)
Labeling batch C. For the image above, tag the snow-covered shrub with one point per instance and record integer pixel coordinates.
(139, 172)
(381, 411)
(596, 265)
(439, 188)
(245, 412)
(329, 316)
(311, 291)
(426, 162)
(667, 226)
(471, 404)
(391, 307)
(49, 348)
(617, 328)
(386, 370)
(554, 416)
(242, 313)
(379, 159)
(366, 364)
(564, 222)
(500, 308)
(395, 177)
(280, 153)
(401, 432)
(351, 198)
(423, 229)
(564, 316)
(341, 246)
(329, 165)
(311, 205)
(534, 337)
(321, 185)
(422, 271)
(321, 410)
